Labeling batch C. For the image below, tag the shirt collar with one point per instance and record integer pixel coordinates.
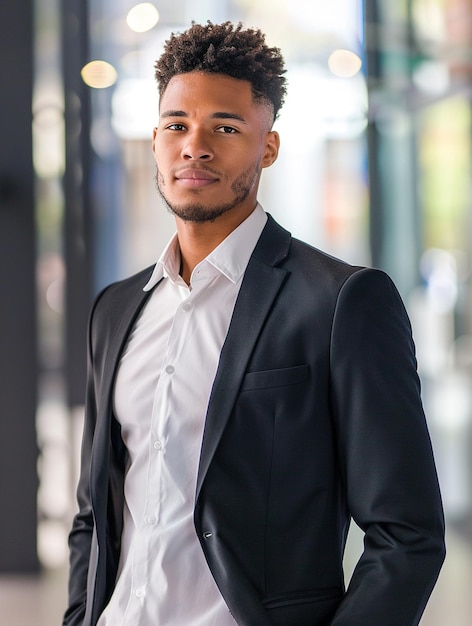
(230, 257)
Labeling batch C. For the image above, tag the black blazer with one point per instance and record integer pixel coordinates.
(315, 416)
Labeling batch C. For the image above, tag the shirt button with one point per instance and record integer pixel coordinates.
(186, 307)
(151, 520)
(170, 369)
(139, 592)
(157, 445)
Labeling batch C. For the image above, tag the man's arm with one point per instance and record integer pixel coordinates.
(386, 456)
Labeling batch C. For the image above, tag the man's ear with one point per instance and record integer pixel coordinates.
(271, 149)
(154, 133)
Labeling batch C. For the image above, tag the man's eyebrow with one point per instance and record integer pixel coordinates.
(172, 113)
(218, 115)
(225, 115)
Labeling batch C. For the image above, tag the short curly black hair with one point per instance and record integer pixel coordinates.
(225, 49)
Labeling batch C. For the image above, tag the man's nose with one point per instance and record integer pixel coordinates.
(197, 147)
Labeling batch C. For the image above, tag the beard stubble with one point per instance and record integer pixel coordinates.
(198, 212)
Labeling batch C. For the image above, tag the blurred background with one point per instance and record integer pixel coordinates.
(375, 167)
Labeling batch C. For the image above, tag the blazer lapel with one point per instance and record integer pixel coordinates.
(261, 284)
(129, 314)
(126, 311)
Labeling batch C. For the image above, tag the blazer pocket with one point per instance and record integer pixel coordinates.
(276, 378)
(318, 595)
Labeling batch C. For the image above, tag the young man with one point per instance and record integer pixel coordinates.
(247, 396)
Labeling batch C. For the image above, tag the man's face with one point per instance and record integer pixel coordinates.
(210, 146)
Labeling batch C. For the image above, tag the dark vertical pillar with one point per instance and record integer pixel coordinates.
(78, 210)
(395, 229)
(373, 62)
(18, 345)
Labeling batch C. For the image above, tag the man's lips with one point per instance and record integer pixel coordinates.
(195, 178)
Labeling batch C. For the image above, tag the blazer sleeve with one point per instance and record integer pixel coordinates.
(80, 537)
(385, 454)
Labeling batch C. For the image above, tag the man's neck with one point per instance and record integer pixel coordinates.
(198, 239)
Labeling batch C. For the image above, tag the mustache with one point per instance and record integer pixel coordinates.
(200, 167)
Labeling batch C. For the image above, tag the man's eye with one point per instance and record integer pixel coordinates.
(176, 126)
(229, 130)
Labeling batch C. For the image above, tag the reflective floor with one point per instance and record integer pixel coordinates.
(40, 601)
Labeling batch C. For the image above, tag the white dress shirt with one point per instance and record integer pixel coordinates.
(161, 396)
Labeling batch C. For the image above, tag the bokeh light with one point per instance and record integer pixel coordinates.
(142, 17)
(99, 74)
(344, 63)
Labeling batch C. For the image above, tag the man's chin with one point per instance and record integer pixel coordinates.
(200, 213)
(196, 214)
